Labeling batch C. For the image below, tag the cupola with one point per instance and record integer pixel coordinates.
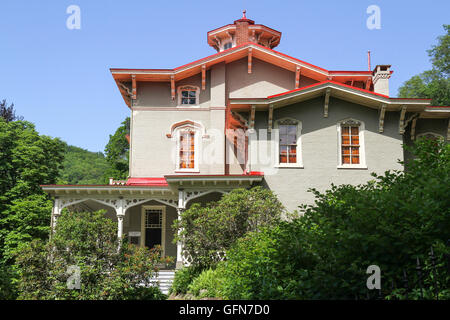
(242, 31)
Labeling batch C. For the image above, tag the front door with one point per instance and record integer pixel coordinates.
(153, 225)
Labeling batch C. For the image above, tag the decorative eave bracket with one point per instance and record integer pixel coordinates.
(252, 118)
(401, 124)
(133, 87)
(327, 101)
(297, 77)
(269, 124)
(381, 121)
(203, 77)
(413, 128)
(172, 86)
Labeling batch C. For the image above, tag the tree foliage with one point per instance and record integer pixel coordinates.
(27, 160)
(8, 113)
(117, 152)
(81, 166)
(435, 83)
(88, 241)
(389, 222)
(207, 231)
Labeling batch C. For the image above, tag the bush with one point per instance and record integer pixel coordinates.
(271, 264)
(210, 230)
(207, 285)
(89, 242)
(183, 279)
(389, 222)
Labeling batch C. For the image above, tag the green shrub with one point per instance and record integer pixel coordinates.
(183, 279)
(207, 285)
(324, 254)
(207, 232)
(271, 264)
(87, 240)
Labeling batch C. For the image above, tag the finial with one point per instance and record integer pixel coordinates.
(243, 14)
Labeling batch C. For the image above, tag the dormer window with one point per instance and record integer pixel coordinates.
(188, 95)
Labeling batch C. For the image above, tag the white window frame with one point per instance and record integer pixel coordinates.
(299, 153)
(362, 154)
(190, 88)
(177, 135)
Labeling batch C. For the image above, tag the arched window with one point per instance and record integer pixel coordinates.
(351, 144)
(187, 135)
(289, 143)
(188, 95)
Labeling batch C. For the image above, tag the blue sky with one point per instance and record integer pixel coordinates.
(59, 78)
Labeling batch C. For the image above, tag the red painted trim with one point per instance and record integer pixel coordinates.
(328, 81)
(349, 71)
(252, 173)
(237, 48)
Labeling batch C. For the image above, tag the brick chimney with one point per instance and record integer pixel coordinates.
(380, 79)
(242, 34)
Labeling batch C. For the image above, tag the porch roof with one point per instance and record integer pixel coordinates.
(164, 186)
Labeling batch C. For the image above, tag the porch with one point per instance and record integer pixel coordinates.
(146, 208)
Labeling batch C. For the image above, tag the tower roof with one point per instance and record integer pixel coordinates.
(243, 31)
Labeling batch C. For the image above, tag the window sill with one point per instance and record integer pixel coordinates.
(298, 166)
(188, 106)
(189, 171)
(356, 167)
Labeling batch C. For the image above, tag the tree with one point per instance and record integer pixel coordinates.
(435, 83)
(82, 167)
(117, 152)
(87, 241)
(27, 160)
(207, 231)
(8, 113)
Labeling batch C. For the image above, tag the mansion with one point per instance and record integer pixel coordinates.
(248, 115)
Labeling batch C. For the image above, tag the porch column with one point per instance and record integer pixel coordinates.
(180, 209)
(120, 212)
(56, 212)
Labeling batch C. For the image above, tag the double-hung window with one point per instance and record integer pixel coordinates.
(289, 131)
(351, 144)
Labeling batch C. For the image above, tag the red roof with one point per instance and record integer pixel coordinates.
(147, 182)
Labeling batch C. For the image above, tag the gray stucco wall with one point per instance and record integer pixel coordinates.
(320, 149)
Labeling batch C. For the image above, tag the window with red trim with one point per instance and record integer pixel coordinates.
(350, 144)
(187, 150)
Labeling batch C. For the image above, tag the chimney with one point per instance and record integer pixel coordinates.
(380, 79)
(242, 24)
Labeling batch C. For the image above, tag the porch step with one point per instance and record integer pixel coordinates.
(164, 280)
